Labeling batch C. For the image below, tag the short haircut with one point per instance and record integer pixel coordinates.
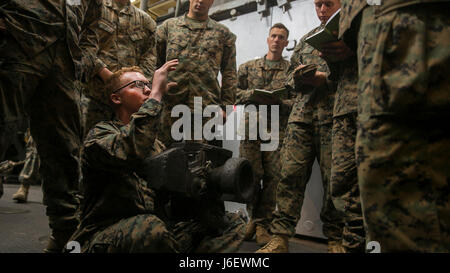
(113, 82)
(280, 25)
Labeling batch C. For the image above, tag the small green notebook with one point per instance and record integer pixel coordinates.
(325, 35)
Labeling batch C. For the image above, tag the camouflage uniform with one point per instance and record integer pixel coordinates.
(126, 38)
(258, 74)
(402, 146)
(344, 181)
(41, 65)
(308, 136)
(30, 172)
(202, 49)
(119, 210)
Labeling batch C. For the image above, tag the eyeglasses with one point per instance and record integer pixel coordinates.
(139, 84)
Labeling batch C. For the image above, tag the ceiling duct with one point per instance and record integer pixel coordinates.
(221, 9)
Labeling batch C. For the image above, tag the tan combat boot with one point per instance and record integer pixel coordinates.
(262, 235)
(250, 231)
(21, 196)
(278, 244)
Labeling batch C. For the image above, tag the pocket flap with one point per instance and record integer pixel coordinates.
(106, 26)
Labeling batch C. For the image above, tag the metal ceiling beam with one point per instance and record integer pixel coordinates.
(143, 5)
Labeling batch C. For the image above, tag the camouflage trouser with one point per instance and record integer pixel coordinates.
(403, 176)
(5, 167)
(43, 88)
(30, 172)
(92, 112)
(344, 182)
(302, 144)
(141, 233)
(192, 237)
(266, 166)
(402, 143)
(147, 233)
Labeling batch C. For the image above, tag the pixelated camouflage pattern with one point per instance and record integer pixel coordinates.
(40, 57)
(311, 102)
(257, 74)
(266, 167)
(119, 213)
(111, 189)
(308, 137)
(350, 9)
(30, 172)
(302, 145)
(403, 179)
(402, 147)
(202, 49)
(36, 25)
(193, 237)
(146, 233)
(127, 37)
(421, 101)
(54, 122)
(344, 182)
(346, 96)
(7, 166)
